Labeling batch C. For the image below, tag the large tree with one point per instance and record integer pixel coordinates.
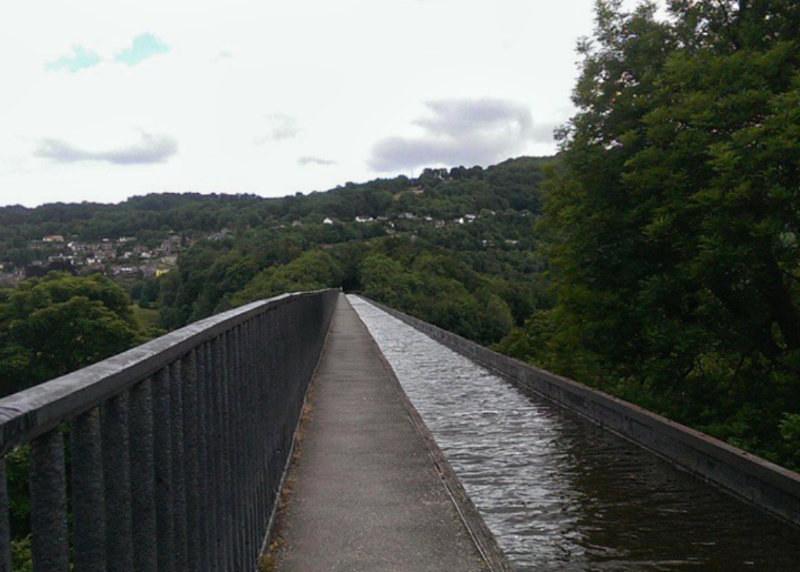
(674, 217)
(52, 325)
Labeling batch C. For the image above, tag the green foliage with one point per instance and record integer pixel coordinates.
(439, 289)
(478, 277)
(486, 271)
(386, 280)
(22, 555)
(59, 323)
(672, 219)
(790, 433)
(312, 270)
(19, 507)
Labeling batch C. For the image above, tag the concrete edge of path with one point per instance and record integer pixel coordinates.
(482, 537)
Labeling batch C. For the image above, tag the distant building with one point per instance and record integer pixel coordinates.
(10, 278)
(327, 220)
(175, 241)
(53, 238)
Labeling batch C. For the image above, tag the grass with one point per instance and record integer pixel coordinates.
(147, 317)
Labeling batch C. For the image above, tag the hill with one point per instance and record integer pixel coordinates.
(453, 246)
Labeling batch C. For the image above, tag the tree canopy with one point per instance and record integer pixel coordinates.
(673, 218)
(59, 323)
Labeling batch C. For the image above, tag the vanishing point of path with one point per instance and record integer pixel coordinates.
(367, 489)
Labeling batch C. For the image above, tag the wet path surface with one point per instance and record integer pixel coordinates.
(561, 494)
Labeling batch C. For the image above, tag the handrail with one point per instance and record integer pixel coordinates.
(176, 446)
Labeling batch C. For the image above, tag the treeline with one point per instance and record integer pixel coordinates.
(194, 212)
(672, 221)
(465, 231)
(487, 263)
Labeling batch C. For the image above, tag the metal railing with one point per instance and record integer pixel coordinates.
(175, 448)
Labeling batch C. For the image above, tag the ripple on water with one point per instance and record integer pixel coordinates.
(558, 492)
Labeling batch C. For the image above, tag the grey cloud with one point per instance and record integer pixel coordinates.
(280, 126)
(315, 161)
(459, 131)
(462, 116)
(150, 149)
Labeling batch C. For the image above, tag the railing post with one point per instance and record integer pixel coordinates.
(88, 495)
(240, 451)
(226, 450)
(232, 421)
(211, 457)
(117, 476)
(162, 437)
(178, 464)
(5, 529)
(264, 372)
(194, 527)
(145, 554)
(219, 533)
(251, 431)
(241, 439)
(48, 486)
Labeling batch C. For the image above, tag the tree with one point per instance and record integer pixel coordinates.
(59, 323)
(312, 270)
(673, 216)
(438, 289)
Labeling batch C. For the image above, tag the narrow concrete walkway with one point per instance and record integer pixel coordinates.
(365, 492)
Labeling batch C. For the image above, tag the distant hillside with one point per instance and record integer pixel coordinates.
(438, 192)
(455, 246)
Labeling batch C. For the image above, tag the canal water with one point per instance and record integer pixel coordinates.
(558, 492)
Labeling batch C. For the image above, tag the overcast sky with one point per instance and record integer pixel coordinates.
(104, 99)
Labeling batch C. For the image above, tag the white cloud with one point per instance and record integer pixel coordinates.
(279, 126)
(150, 149)
(315, 161)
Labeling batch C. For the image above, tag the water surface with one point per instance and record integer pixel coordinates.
(558, 492)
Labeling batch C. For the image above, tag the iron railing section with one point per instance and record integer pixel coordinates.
(175, 448)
